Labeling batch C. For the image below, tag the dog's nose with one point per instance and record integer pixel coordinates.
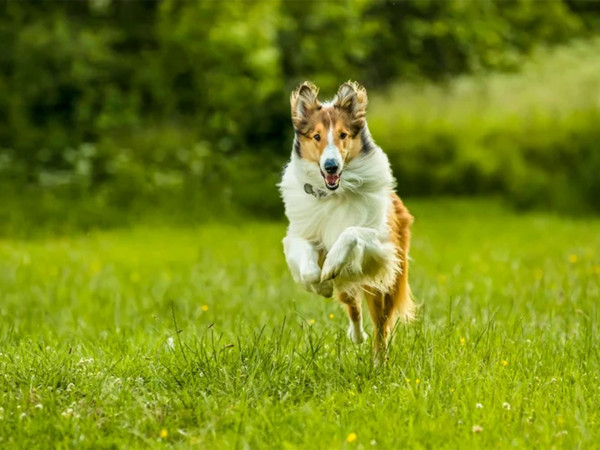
(331, 165)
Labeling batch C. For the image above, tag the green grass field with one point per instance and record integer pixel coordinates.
(198, 337)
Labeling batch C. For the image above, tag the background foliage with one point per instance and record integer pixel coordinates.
(121, 105)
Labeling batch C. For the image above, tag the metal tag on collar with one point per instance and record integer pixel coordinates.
(317, 193)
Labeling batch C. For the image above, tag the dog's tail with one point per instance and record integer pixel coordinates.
(403, 303)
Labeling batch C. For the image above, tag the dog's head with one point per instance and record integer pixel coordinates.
(329, 134)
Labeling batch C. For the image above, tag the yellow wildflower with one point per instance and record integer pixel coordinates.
(573, 258)
(351, 437)
(204, 308)
(331, 316)
(504, 363)
(164, 433)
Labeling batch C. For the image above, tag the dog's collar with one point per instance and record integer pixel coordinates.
(316, 193)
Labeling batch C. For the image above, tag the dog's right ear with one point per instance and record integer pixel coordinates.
(304, 103)
(352, 98)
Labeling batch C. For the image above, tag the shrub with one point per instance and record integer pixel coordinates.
(532, 136)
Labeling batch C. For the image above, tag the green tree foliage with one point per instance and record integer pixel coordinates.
(139, 97)
(531, 135)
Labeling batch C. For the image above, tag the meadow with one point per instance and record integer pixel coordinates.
(196, 336)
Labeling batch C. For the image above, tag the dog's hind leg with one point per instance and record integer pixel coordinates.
(353, 303)
(386, 307)
(396, 301)
(381, 310)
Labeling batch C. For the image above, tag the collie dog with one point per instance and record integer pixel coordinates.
(348, 230)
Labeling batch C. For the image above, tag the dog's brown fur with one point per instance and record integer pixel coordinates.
(397, 303)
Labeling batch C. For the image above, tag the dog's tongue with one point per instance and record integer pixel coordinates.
(332, 179)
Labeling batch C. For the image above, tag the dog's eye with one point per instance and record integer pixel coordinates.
(343, 135)
(317, 137)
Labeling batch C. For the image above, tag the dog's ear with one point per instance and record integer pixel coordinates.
(352, 98)
(304, 103)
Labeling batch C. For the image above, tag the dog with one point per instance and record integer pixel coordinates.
(348, 232)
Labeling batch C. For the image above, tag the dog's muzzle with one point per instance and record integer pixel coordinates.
(331, 175)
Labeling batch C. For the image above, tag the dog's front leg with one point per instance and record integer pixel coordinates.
(302, 258)
(357, 252)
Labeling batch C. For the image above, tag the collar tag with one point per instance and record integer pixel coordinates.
(317, 193)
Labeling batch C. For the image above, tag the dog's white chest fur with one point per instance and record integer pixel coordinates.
(362, 200)
(323, 220)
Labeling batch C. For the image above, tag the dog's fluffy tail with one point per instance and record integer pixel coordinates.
(400, 221)
(404, 305)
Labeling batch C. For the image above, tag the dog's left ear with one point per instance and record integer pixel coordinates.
(352, 98)
(304, 103)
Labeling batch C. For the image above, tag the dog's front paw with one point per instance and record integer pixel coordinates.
(310, 278)
(324, 289)
(310, 275)
(356, 334)
(340, 257)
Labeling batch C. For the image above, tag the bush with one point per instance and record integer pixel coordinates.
(74, 72)
(116, 105)
(532, 136)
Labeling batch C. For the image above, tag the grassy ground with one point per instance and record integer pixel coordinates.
(505, 351)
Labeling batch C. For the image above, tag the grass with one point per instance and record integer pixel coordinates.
(153, 337)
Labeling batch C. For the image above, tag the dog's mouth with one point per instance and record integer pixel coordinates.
(332, 181)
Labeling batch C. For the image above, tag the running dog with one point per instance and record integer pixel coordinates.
(348, 230)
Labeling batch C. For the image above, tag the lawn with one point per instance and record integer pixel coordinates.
(186, 337)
